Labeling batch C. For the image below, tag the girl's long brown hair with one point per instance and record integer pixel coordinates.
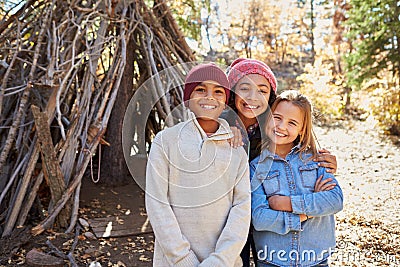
(307, 139)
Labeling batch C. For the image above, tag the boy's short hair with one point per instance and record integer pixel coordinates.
(205, 72)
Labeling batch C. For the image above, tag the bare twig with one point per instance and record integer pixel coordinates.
(12, 132)
(11, 181)
(10, 66)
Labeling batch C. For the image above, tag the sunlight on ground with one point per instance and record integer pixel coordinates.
(368, 228)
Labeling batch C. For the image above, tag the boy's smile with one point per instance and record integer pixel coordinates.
(208, 106)
(207, 101)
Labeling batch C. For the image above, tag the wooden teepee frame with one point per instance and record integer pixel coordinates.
(60, 72)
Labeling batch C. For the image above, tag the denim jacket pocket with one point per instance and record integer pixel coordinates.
(271, 183)
(308, 175)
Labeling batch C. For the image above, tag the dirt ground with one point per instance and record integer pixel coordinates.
(97, 201)
(368, 229)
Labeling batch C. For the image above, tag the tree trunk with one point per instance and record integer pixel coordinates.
(113, 168)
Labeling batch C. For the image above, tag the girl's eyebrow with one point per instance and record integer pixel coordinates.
(246, 83)
(276, 115)
(259, 85)
(280, 115)
(294, 120)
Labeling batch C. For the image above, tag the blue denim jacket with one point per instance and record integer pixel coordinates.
(280, 237)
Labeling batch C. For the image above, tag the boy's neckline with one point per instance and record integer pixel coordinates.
(210, 127)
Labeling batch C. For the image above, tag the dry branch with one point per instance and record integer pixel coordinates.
(51, 167)
(24, 99)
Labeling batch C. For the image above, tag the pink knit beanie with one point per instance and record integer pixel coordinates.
(205, 72)
(243, 66)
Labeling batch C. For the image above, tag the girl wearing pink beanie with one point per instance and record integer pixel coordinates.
(254, 90)
(254, 86)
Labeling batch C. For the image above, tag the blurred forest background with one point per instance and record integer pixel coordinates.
(345, 54)
(68, 69)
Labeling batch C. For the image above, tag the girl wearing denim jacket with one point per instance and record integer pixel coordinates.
(255, 87)
(293, 199)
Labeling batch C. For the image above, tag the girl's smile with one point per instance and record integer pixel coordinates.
(280, 134)
(252, 93)
(250, 107)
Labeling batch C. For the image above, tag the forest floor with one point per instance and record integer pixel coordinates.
(368, 228)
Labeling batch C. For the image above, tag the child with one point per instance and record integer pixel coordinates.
(255, 88)
(197, 185)
(293, 200)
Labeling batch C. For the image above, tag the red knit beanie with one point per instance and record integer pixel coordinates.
(243, 66)
(205, 72)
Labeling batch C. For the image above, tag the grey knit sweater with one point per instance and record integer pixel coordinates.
(197, 197)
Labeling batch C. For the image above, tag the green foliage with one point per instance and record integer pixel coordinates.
(373, 65)
(323, 87)
(374, 31)
(187, 13)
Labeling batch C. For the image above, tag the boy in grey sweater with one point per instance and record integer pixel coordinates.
(197, 185)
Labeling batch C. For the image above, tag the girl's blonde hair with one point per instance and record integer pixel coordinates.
(306, 139)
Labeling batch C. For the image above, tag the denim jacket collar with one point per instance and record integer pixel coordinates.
(266, 153)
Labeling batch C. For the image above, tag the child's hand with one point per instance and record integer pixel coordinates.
(327, 160)
(281, 203)
(324, 185)
(304, 217)
(236, 140)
